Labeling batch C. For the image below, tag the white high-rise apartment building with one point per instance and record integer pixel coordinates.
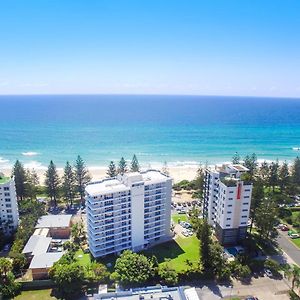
(131, 211)
(9, 214)
(227, 200)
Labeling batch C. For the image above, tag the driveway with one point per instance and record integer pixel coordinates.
(288, 247)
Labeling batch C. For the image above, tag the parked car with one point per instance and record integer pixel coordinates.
(268, 272)
(294, 236)
(251, 298)
(284, 228)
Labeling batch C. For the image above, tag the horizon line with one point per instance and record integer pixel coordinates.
(149, 94)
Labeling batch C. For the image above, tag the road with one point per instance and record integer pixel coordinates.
(288, 247)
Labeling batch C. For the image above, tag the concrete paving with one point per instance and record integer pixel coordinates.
(263, 288)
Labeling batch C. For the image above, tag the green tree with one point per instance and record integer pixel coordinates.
(217, 262)
(97, 273)
(132, 269)
(69, 183)
(266, 218)
(257, 198)
(250, 162)
(122, 166)
(32, 182)
(284, 177)
(78, 233)
(69, 278)
(236, 158)
(204, 235)
(112, 170)
(168, 275)
(264, 172)
(52, 182)
(19, 174)
(135, 166)
(296, 175)
(292, 272)
(82, 176)
(273, 175)
(8, 286)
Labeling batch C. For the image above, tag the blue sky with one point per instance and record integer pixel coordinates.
(216, 47)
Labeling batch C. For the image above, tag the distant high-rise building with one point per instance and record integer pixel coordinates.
(9, 214)
(227, 200)
(131, 211)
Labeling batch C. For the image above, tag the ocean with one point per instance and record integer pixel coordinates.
(181, 130)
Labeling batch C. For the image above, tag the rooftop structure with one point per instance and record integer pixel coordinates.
(37, 244)
(227, 200)
(147, 293)
(9, 214)
(54, 221)
(132, 211)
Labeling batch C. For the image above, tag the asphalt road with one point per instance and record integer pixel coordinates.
(288, 247)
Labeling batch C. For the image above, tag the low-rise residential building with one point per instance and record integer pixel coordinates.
(226, 202)
(131, 211)
(9, 214)
(44, 247)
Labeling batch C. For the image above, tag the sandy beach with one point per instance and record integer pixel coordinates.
(178, 173)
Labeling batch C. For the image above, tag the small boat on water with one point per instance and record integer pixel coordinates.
(296, 148)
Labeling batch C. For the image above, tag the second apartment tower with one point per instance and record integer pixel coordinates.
(227, 200)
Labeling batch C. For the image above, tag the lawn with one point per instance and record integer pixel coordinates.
(179, 217)
(296, 242)
(83, 258)
(36, 295)
(177, 251)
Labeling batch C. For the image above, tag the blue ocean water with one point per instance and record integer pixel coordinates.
(176, 129)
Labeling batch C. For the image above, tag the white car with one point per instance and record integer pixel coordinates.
(268, 272)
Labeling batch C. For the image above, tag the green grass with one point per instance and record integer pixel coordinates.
(177, 251)
(296, 242)
(85, 259)
(179, 217)
(36, 295)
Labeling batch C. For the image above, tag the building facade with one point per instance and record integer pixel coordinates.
(131, 211)
(9, 214)
(226, 202)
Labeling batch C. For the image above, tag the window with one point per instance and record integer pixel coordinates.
(243, 223)
(229, 212)
(7, 199)
(6, 194)
(8, 205)
(246, 197)
(6, 188)
(245, 210)
(228, 219)
(244, 216)
(246, 203)
(229, 205)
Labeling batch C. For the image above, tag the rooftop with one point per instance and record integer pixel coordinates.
(37, 244)
(105, 185)
(153, 293)
(122, 183)
(45, 260)
(54, 221)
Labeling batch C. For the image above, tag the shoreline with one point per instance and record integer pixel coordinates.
(178, 173)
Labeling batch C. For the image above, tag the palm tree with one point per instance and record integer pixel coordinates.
(293, 274)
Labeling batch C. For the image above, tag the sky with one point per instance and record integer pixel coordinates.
(199, 47)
